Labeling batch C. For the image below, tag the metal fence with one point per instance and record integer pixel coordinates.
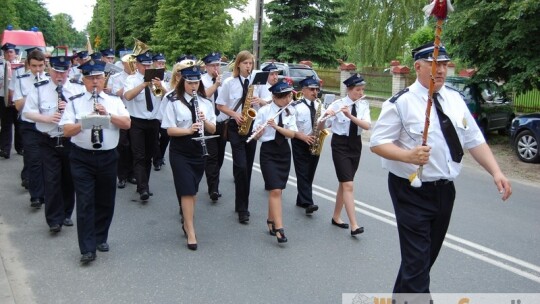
(527, 102)
(379, 81)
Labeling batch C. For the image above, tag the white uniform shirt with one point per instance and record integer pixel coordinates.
(82, 105)
(44, 100)
(177, 114)
(303, 115)
(269, 111)
(339, 123)
(263, 92)
(230, 94)
(402, 123)
(137, 106)
(2, 67)
(116, 83)
(23, 84)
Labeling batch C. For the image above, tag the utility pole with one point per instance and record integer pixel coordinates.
(112, 41)
(257, 30)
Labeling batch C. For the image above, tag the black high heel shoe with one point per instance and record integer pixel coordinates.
(358, 230)
(271, 227)
(192, 246)
(340, 225)
(283, 238)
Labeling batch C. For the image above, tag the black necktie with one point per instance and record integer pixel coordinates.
(215, 97)
(449, 132)
(353, 128)
(60, 93)
(244, 91)
(279, 137)
(311, 111)
(148, 97)
(192, 109)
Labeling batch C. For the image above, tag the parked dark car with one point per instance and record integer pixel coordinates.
(525, 137)
(487, 102)
(294, 73)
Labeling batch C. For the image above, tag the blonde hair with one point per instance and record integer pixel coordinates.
(242, 56)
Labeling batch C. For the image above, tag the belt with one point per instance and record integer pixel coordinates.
(439, 182)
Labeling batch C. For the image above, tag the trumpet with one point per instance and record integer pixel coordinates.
(298, 95)
(261, 127)
(157, 91)
(323, 119)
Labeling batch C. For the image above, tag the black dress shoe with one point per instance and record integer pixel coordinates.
(340, 225)
(157, 167)
(192, 246)
(357, 231)
(55, 228)
(144, 196)
(68, 222)
(36, 203)
(132, 180)
(214, 196)
(103, 247)
(281, 238)
(88, 257)
(311, 208)
(121, 184)
(243, 218)
(4, 154)
(24, 183)
(271, 227)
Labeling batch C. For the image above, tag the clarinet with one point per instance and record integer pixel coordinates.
(96, 136)
(59, 91)
(201, 138)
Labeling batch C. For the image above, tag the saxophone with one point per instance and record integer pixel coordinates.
(248, 113)
(320, 135)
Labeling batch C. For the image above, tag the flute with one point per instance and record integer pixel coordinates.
(323, 119)
(263, 126)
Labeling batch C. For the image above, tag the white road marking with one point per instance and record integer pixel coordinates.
(482, 253)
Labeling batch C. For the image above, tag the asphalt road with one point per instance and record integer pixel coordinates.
(492, 246)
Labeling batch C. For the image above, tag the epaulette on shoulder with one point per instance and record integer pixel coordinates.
(1, 62)
(397, 95)
(72, 98)
(47, 74)
(297, 102)
(75, 81)
(19, 67)
(23, 75)
(172, 97)
(452, 88)
(38, 84)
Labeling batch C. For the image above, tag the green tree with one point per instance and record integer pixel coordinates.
(377, 30)
(32, 13)
(499, 38)
(65, 34)
(9, 14)
(190, 27)
(303, 30)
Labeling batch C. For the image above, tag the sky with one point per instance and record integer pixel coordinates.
(81, 11)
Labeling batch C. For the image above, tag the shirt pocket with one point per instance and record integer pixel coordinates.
(415, 131)
(47, 109)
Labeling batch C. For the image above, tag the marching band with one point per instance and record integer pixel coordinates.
(91, 129)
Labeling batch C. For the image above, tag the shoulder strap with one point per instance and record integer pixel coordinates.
(394, 98)
(75, 96)
(23, 76)
(38, 84)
